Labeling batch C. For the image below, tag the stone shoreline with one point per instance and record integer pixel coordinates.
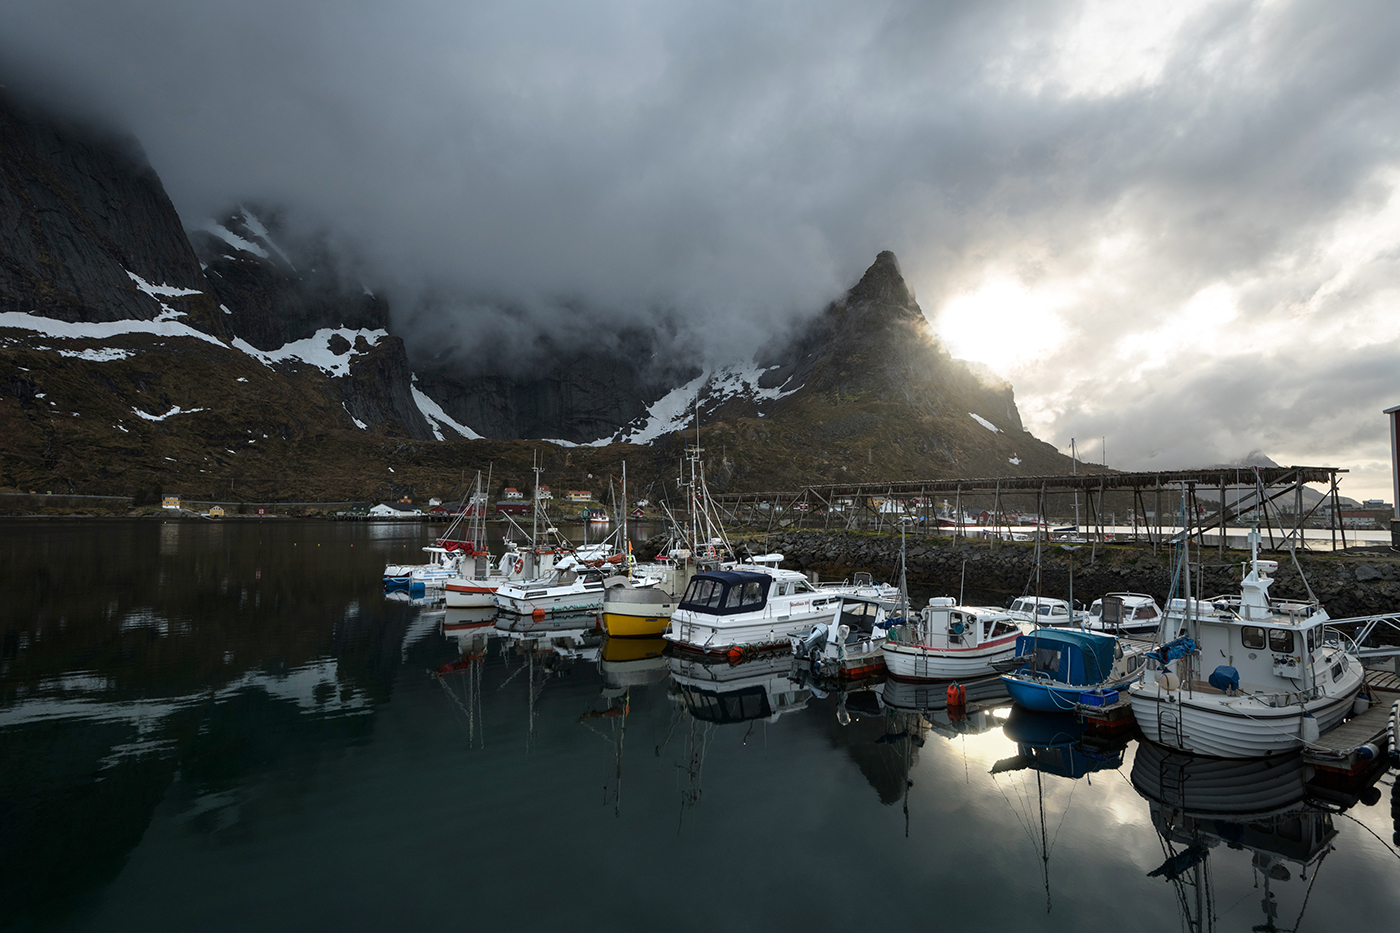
(1348, 584)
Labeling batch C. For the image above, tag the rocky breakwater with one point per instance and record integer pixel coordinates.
(1347, 584)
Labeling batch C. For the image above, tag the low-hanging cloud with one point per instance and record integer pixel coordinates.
(1175, 228)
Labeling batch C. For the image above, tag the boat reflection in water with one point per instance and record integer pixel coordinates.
(718, 692)
(1059, 745)
(633, 662)
(549, 647)
(461, 679)
(1257, 806)
(714, 693)
(983, 697)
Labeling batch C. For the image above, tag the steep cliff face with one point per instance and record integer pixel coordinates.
(277, 291)
(87, 233)
(582, 395)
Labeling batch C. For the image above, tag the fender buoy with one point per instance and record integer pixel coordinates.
(537, 614)
(735, 654)
(957, 695)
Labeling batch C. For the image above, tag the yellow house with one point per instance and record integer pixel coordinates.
(216, 512)
(580, 495)
(170, 502)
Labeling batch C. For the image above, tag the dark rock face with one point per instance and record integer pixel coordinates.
(276, 290)
(79, 209)
(580, 397)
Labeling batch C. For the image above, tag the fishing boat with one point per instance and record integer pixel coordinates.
(947, 642)
(747, 611)
(443, 564)
(1124, 614)
(566, 589)
(1044, 610)
(851, 646)
(1061, 669)
(1248, 675)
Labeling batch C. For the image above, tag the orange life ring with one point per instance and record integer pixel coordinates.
(519, 565)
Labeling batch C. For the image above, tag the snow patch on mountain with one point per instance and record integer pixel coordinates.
(106, 330)
(233, 239)
(315, 350)
(174, 410)
(985, 423)
(675, 410)
(256, 228)
(437, 418)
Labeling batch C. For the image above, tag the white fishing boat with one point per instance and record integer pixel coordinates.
(849, 647)
(1044, 610)
(1124, 614)
(1253, 676)
(747, 610)
(950, 642)
(564, 590)
(443, 564)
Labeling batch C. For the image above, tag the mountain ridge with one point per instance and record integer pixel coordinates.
(235, 356)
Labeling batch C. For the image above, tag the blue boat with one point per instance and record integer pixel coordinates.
(1063, 669)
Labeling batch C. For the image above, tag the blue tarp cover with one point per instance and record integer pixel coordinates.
(1083, 658)
(1225, 677)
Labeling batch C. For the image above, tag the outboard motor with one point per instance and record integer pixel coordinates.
(813, 642)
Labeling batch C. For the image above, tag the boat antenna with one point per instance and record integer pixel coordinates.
(962, 587)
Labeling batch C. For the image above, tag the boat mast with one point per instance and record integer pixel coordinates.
(626, 540)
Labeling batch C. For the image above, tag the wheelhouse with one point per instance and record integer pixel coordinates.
(727, 592)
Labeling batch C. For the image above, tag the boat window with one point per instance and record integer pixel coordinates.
(1312, 640)
(1004, 628)
(1337, 671)
(1251, 636)
(700, 593)
(732, 598)
(860, 617)
(1280, 640)
(753, 593)
(1096, 609)
(1145, 612)
(1132, 663)
(1059, 611)
(802, 586)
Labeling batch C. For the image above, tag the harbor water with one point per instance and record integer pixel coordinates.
(230, 726)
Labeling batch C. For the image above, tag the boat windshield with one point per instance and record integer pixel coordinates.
(722, 594)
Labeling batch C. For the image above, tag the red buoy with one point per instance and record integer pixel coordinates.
(957, 696)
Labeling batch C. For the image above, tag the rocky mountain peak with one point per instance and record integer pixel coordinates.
(883, 286)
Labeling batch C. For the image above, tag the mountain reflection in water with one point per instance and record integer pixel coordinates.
(231, 726)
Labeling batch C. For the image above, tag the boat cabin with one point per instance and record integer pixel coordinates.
(1074, 658)
(1042, 610)
(1262, 643)
(1125, 610)
(727, 592)
(942, 624)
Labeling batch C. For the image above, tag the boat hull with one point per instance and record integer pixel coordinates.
(1048, 698)
(630, 624)
(711, 635)
(470, 595)
(1234, 727)
(919, 663)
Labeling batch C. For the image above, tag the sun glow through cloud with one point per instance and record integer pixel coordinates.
(1003, 324)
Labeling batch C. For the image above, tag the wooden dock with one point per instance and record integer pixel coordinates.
(1347, 748)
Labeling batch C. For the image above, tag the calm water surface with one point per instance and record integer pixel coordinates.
(230, 727)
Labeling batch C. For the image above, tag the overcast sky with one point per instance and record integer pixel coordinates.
(1171, 225)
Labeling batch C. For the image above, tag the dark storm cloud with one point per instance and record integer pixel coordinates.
(727, 167)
